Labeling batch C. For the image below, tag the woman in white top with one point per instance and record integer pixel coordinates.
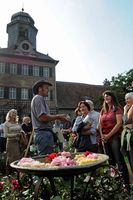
(128, 125)
(128, 110)
(12, 132)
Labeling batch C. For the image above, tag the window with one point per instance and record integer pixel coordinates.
(1, 92)
(12, 93)
(2, 67)
(35, 71)
(13, 68)
(24, 94)
(45, 71)
(25, 69)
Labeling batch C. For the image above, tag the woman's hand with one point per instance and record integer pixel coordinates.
(105, 138)
(74, 136)
(87, 127)
(126, 108)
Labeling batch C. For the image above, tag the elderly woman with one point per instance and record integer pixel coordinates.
(128, 110)
(12, 132)
(27, 126)
(127, 134)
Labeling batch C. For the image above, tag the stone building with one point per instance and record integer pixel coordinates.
(21, 65)
(69, 94)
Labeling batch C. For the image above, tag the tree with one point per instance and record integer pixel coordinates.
(121, 84)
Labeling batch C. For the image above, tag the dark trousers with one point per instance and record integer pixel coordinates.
(2, 144)
(115, 156)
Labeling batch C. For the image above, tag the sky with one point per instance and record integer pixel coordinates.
(91, 39)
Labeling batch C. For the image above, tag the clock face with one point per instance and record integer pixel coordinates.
(25, 46)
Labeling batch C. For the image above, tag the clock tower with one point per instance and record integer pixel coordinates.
(21, 65)
(22, 32)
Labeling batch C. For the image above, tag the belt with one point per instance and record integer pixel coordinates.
(12, 139)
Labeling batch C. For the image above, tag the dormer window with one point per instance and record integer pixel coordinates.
(23, 34)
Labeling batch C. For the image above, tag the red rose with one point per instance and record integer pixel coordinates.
(87, 153)
(1, 185)
(52, 156)
(15, 184)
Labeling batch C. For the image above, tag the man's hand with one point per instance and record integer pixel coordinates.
(63, 117)
(60, 117)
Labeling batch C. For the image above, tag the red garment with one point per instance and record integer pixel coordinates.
(108, 119)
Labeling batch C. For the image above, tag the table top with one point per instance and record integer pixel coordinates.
(60, 171)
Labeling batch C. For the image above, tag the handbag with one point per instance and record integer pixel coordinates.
(82, 143)
(23, 139)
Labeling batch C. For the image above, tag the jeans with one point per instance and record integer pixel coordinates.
(112, 149)
(44, 141)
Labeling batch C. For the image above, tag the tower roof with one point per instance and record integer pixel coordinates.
(23, 17)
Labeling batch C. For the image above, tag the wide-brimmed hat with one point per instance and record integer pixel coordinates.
(39, 84)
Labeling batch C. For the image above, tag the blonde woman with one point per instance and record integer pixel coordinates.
(12, 132)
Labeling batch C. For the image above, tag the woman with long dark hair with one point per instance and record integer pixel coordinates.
(111, 126)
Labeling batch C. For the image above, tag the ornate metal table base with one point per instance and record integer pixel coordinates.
(107, 177)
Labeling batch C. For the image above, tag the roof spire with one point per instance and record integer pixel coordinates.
(22, 6)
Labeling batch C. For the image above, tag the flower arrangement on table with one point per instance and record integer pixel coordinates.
(60, 159)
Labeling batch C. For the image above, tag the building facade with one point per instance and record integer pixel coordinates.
(21, 65)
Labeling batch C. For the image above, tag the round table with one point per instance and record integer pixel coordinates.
(50, 173)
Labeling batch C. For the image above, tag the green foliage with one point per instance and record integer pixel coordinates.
(99, 187)
(98, 101)
(121, 85)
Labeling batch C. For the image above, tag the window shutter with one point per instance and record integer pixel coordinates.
(7, 68)
(18, 93)
(50, 72)
(30, 70)
(19, 66)
(40, 71)
(51, 95)
(6, 93)
(30, 91)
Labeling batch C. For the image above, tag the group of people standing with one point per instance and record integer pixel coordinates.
(108, 126)
(90, 128)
